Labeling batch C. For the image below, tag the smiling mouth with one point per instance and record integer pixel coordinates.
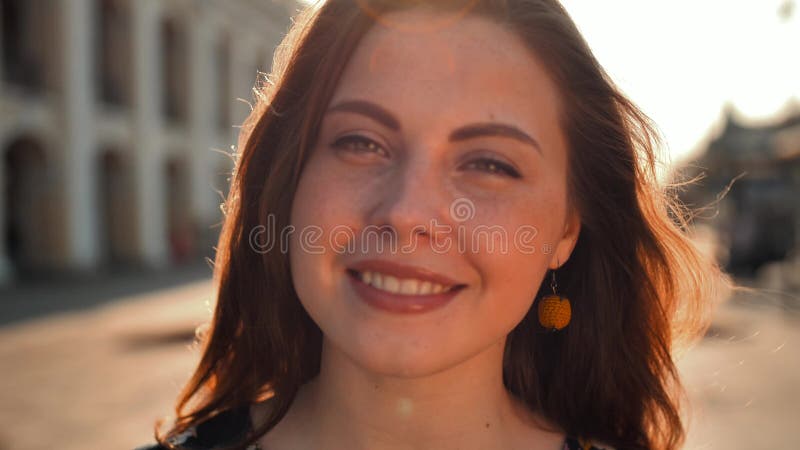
(402, 286)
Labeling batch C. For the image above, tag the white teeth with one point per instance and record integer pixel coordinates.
(404, 286)
(409, 287)
(391, 284)
(425, 288)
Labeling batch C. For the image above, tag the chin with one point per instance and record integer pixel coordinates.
(404, 356)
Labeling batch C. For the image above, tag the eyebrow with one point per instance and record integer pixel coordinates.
(471, 131)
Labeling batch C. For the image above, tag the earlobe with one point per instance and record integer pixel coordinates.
(567, 243)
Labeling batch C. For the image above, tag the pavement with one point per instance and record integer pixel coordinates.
(743, 378)
(97, 374)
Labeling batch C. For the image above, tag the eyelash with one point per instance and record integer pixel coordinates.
(503, 169)
(344, 141)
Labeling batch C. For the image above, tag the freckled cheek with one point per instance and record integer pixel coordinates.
(512, 245)
(545, 213)
(509, 285)
(509, 227)
(333, 210)
(511, 267)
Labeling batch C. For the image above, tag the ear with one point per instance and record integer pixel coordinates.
(565, 245)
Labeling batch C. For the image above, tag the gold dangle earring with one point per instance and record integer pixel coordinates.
(554, 310)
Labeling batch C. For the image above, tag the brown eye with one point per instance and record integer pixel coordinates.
(494, 166)
(359, 144)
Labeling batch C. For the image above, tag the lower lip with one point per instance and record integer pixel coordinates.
(398, 303)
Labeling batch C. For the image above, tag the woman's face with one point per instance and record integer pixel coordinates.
(443, 146)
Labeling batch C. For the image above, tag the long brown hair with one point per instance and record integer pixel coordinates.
(639, 287)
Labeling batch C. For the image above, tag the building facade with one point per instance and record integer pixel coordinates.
(751, 181)
(117, 119)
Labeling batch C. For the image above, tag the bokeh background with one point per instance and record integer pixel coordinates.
(117, 122)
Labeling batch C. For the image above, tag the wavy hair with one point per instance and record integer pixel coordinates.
(640, 289)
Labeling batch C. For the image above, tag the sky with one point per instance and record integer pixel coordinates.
(684, 61)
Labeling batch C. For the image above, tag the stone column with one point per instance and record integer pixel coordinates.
(148, 165)
(242, 79)
(6, 269)
(202, 126)
(77, 119)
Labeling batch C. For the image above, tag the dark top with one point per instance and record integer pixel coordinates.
(233, 425)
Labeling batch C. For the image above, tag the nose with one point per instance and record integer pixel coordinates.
(413, 205)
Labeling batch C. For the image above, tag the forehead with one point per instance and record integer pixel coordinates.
(432, 71)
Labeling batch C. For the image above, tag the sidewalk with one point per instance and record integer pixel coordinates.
(97, 377)
(743, 379)
(47, 295)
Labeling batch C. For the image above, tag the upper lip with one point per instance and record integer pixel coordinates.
(402, 271)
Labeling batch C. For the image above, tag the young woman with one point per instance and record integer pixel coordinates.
(445, 231)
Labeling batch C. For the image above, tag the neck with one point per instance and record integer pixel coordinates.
(465, 406)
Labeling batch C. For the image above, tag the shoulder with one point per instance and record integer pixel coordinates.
(575, 443)
(224, 428)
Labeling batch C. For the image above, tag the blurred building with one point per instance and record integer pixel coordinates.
(115, 117)
(759, 218)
